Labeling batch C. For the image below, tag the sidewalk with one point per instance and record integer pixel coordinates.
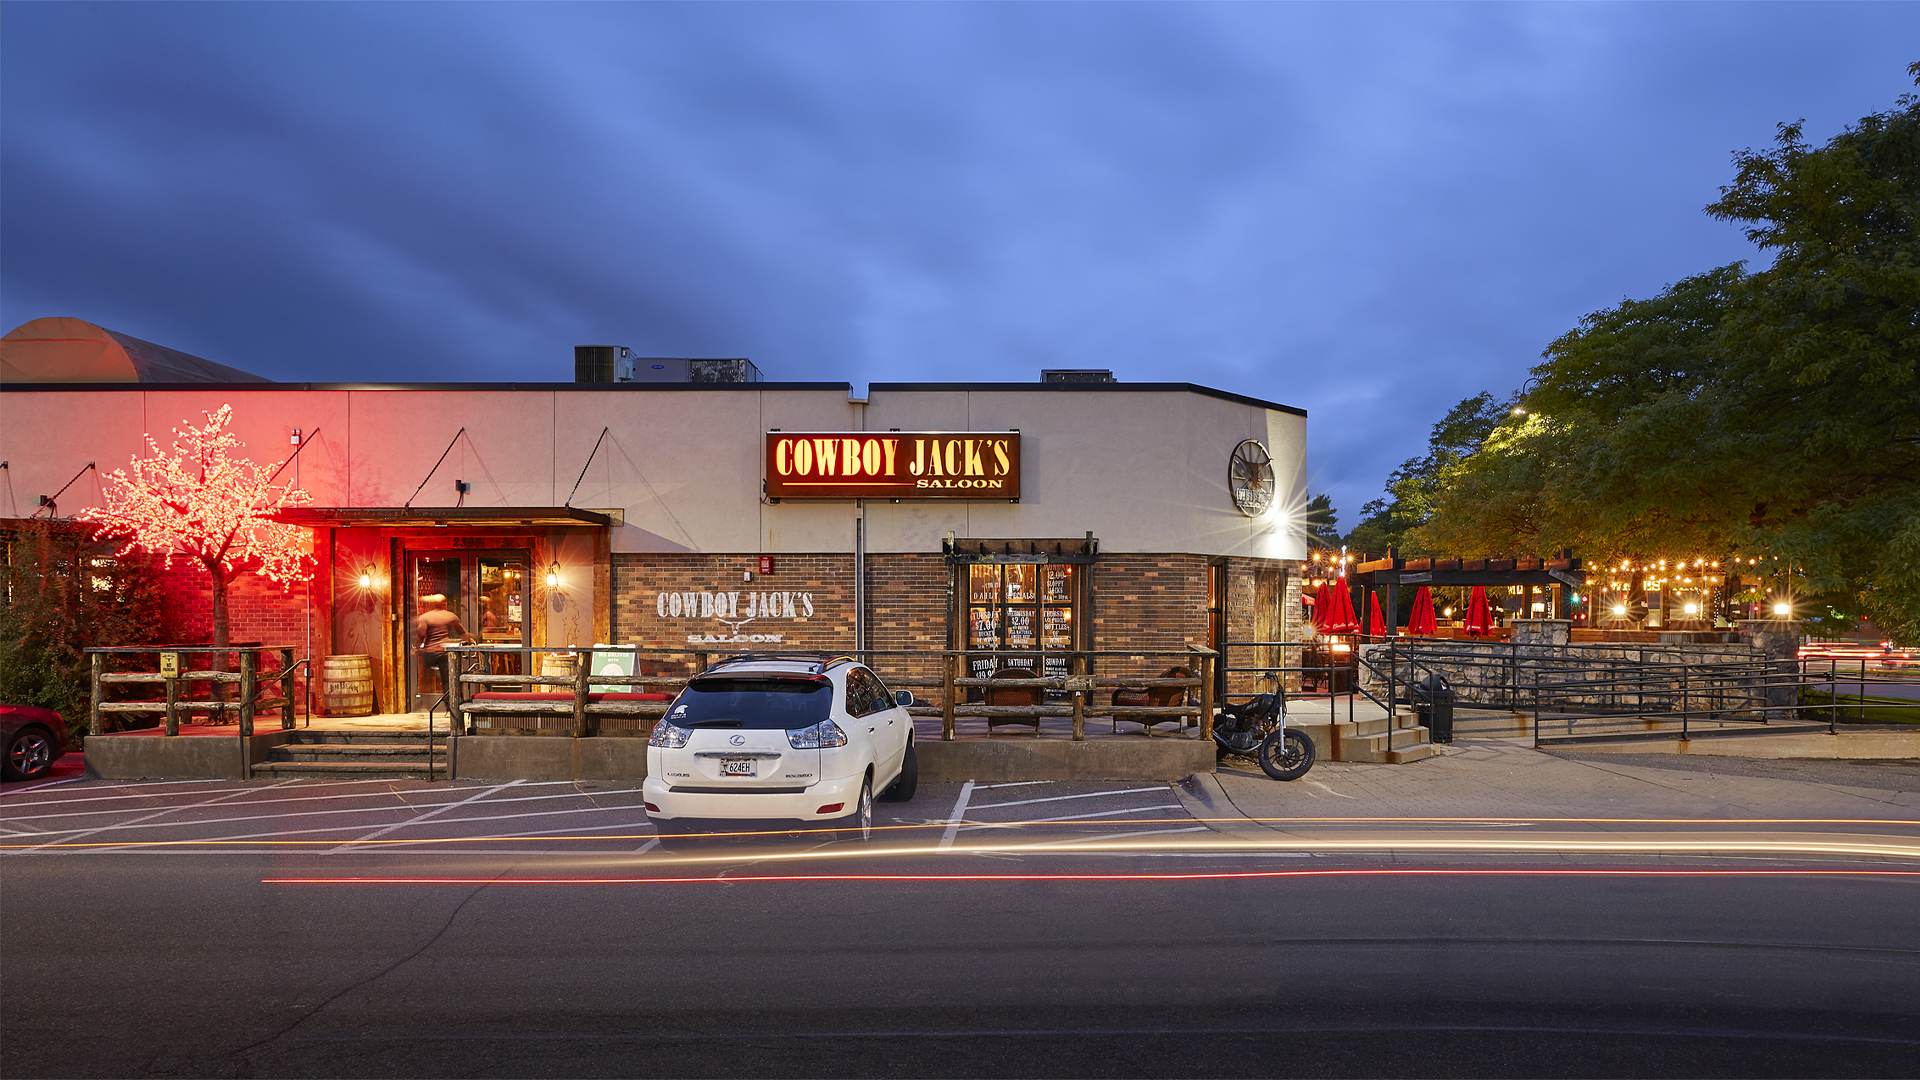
(1507, 778)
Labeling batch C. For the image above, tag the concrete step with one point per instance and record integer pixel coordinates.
(368, 770)
(314, 736)
(352, 752)
(1412, 754)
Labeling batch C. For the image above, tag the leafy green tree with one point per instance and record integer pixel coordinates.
(1321, 519)
(1772, 412)
(1411, 491)
(65, 591)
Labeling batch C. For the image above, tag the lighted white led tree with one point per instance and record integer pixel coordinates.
(203, 502)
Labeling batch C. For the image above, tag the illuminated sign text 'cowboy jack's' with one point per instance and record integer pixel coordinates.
(893, 465)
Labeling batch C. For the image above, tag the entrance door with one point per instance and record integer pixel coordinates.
(463, 596)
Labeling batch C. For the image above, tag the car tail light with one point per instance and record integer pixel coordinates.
(831, 808)
(823, 734)
(668, 736)
(652, 807)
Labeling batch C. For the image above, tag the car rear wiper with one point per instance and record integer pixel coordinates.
(714, 723)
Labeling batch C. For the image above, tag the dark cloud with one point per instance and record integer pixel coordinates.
(1369, 211)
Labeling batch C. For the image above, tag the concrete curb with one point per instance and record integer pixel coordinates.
(1844, 746)
(1203, 796)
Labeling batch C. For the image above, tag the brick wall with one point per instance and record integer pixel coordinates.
(663, 600)
(1154, 602)
(257, 610)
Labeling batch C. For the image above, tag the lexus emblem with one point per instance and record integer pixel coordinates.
(738, 740)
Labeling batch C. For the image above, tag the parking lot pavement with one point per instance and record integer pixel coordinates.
(410, 818)
(1509, 778)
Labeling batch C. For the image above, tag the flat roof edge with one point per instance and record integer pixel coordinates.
(839, 387)
(1086, 388)
(649, 387)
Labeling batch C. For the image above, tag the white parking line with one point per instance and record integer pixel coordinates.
(959, 814)
(402, 807)
(1063, 798)
(281, 834)
(377, 833)
(119, 787)
(1068, 817)
(154, 814)
(248, 802)
(37, 787)
(306, 784)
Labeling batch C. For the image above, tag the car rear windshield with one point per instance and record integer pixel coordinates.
(752, 703)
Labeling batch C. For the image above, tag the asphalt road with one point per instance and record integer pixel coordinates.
(406, 929)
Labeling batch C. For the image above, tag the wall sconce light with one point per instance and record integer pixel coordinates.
(1783, 610)
(366, 578)
(1693, 609)
(1620, 609)
(553, 575)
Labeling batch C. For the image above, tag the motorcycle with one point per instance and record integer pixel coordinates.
(1259, 727)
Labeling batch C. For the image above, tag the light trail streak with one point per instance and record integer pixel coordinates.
(1731, 844)
(1234, 875)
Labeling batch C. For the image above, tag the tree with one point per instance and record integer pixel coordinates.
(1773, 413)
(1391, 521)
(201, 502)
(1321, 519)
(65, 592)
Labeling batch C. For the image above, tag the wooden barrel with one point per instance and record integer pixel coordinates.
(346, 685)
(565, 663)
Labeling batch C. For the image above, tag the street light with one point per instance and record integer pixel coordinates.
(1526, 388)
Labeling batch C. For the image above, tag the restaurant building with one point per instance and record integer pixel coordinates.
(667, 511)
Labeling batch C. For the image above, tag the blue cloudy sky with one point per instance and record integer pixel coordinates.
(1366, 210)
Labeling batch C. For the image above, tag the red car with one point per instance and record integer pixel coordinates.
(34, 739)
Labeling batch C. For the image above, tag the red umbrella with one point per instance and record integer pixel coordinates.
(1340, 616)
(1422, 620)
(1375, 625)
(1479, 618)
(1322, 607)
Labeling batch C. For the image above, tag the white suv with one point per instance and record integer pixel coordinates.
(780, 740)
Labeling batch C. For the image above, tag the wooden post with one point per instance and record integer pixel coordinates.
(286, 690)
(456, 698)
(249, 681)
(93, 720)
(946, 709)
(1206, 696)
(173, 707)
(1078, 666)
(583, 664)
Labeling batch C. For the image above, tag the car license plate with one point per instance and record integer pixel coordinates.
(736, 766)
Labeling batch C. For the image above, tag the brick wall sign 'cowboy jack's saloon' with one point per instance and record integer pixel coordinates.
(736, 610)
(893, 465)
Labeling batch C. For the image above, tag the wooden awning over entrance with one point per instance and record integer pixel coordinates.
(321, 517)
(1523, 570)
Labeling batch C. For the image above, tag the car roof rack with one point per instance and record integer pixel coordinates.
(820, 661)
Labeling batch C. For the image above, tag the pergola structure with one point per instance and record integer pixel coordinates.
(1527, 572)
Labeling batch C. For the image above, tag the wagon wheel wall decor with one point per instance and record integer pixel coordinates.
(1250, 477)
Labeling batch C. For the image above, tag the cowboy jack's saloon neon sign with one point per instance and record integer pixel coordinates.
(736, 610)
(893, 465)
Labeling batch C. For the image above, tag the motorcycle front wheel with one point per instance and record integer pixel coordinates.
(1286, 755)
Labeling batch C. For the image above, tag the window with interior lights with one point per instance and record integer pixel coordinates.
(1021, 607)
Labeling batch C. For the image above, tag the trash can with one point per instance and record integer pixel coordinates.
(1433, 702)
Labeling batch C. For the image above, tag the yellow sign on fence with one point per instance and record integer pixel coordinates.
(169, 665)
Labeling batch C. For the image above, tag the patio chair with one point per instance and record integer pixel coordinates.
(1013, 695)
(1164, 697)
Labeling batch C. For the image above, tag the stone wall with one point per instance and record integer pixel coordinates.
(1625, 676)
